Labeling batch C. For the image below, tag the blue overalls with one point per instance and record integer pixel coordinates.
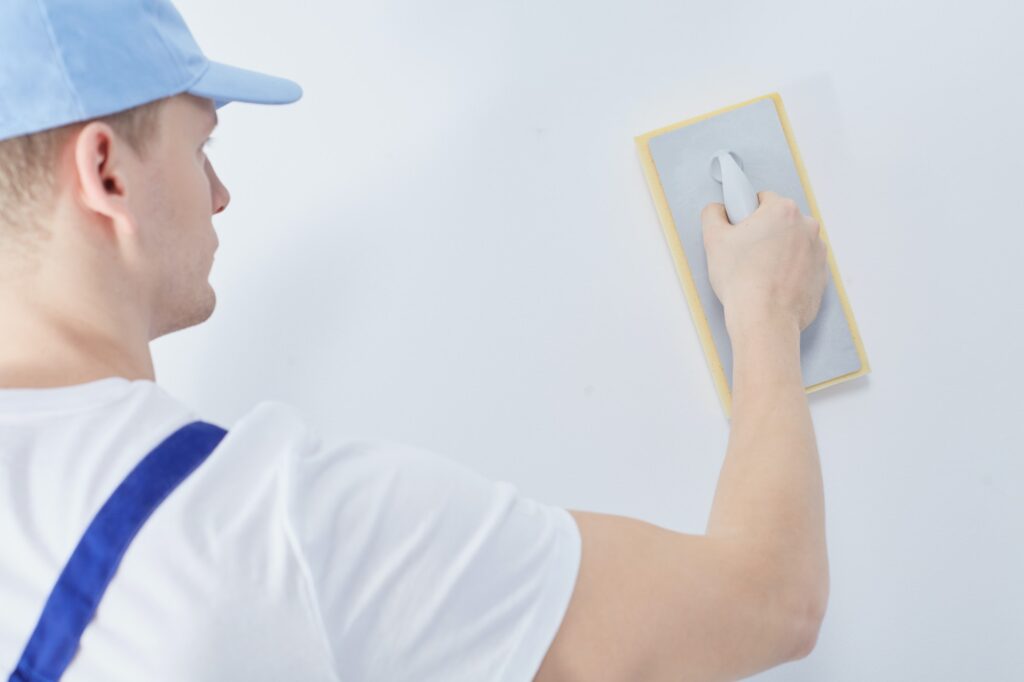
(80, 586)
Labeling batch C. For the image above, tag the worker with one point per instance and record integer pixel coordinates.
(141, 541)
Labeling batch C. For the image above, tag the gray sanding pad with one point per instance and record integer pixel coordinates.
(677, 162)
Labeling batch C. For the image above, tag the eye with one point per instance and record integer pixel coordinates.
(208, 143)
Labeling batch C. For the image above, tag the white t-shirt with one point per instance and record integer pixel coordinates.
(280, 557)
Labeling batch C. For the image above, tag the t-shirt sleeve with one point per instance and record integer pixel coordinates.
(422, 569)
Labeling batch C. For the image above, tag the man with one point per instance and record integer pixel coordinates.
(279, 557)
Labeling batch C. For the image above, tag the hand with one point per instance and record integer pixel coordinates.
(770, 267)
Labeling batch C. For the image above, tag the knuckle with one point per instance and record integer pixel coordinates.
(709, 237)
(785, 208)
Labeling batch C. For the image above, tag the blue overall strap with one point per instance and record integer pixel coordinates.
(77, 593)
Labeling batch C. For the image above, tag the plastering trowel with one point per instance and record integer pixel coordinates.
(727, 156)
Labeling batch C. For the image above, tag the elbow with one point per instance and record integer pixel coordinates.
(806, 623)
(807, 626)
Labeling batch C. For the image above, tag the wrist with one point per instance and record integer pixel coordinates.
(762, 327)
(766, 357)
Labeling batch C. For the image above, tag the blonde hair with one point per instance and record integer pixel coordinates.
(28, 182)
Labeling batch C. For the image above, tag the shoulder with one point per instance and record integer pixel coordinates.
(241, 484)
(273, 424)
(407, 551)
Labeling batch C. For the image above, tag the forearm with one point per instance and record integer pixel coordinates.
(769, 493)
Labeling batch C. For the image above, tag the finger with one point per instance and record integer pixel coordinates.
(813, 225)
(713, 218)
(767, 196)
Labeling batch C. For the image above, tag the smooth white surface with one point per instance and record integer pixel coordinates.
(449, 242)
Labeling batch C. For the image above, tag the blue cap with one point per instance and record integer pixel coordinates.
(63, 61)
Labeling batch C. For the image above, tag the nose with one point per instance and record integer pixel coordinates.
(221, 197)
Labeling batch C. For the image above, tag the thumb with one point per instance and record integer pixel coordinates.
(713, 219)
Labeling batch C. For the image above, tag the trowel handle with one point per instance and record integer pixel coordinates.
(740, 197)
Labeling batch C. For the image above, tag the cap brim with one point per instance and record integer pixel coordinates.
(223, 83)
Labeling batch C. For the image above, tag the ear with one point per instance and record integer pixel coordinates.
(104, 163)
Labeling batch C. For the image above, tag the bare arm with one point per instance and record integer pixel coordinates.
(769, 497)
(749, 594)
(769, 493)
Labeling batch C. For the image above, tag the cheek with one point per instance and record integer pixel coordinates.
(188, 189)
(204, 188)
(178, 199)
(172, 194)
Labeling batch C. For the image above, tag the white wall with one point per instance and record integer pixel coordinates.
(449, 242)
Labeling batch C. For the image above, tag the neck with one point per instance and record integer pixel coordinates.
(49, 342)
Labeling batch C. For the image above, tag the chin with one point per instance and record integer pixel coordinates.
(199, 310)
(210, 302)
